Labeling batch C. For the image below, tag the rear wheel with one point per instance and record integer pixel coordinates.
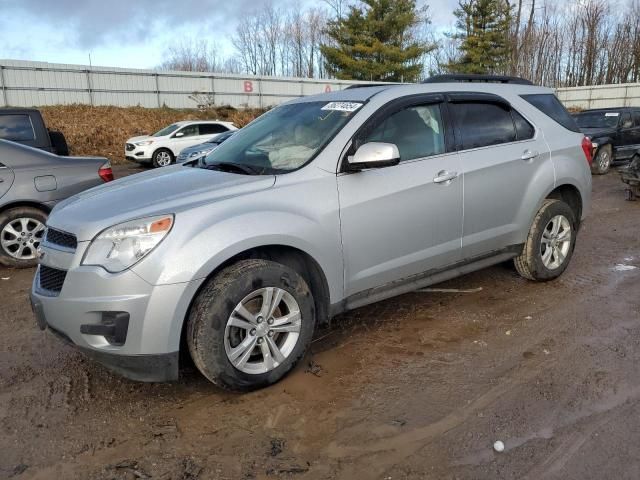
(251, 324)
(602, 161)
(550, 243)
(162, 158)
(21, 231)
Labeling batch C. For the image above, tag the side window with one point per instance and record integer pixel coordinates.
(17, 128)
(549, 104)
(417, 131)
(524, 129)
(636, 117)
(626, 121)
(482, 124)
(189, 131)
(212, 128)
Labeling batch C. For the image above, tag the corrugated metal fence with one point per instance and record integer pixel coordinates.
(27, 84)
(601, 96)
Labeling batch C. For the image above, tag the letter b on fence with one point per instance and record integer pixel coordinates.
(248, 86)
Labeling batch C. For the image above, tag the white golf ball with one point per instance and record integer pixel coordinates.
(498, 446)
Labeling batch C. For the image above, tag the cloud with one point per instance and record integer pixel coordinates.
(91, 23)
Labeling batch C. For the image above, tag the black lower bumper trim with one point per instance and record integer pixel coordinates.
(142, 368)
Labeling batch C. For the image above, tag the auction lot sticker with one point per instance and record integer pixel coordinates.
(342, 106)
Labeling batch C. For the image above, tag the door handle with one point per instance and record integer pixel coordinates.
(445, 177)
(529, 155)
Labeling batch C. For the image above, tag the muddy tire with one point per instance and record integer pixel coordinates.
(21, 230)
(602, 160)
(251, 324)
(162, 157)
(550, 243)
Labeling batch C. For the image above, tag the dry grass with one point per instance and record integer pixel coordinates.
(103, 131)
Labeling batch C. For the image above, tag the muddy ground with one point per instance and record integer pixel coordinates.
(418, 387)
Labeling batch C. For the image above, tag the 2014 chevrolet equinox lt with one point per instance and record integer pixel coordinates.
(322, 205)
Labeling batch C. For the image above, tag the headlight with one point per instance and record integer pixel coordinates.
(121, 246)
(199, 153)
(146, 142)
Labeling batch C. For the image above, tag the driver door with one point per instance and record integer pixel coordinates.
(401, 221)
(189, 136)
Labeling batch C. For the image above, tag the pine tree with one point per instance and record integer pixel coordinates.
(377, 41)
(483, 29)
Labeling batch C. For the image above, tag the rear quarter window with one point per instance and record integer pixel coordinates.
(549, 104)
(17, 128)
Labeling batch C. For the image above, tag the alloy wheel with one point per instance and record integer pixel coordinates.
(262, 330)
(556, 242)
(20, 238)
(163, 159)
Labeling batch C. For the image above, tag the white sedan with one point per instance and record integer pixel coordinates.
(164, 146)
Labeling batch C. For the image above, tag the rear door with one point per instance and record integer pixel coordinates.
(403, 220)
(501, 155)
(211, 130)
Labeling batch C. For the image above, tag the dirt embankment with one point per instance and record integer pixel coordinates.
(103, 130)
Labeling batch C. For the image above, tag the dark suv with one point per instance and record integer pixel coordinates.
(615, 133)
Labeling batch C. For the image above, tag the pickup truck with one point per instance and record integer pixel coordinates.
(615, 133)
(26, 126)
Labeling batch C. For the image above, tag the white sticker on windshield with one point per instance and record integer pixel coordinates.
(612, 114)
(342, 106)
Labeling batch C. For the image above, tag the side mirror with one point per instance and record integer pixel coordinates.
(179, 134)
(374, 155)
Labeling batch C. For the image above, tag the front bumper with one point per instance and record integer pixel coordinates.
(90, 298)
(139, 154)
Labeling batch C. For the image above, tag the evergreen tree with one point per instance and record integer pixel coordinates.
(377, 40)
(483, 29)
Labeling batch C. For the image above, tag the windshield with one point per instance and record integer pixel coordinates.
(598, 119)
(284, 139)
(166, 130)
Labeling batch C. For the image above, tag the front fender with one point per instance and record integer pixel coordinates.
(183, 258)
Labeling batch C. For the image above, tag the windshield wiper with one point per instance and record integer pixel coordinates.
(232, 167)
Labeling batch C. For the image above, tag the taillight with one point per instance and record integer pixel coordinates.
(587, 148)
(105, 172)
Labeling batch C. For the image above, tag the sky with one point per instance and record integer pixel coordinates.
(133, 33)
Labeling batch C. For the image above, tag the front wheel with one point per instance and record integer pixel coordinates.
(162, 158)
(21, 231)
(550, 243)
(251, 324)
(602, 161)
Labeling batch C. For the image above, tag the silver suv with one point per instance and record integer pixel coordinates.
(322, 205)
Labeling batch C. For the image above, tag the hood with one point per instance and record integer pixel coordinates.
(598, 132)
(140, 138)
(156, 192)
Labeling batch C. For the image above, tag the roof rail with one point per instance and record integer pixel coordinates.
(365, 85)
(459, 77)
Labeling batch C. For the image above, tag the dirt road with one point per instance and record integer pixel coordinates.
(418, 387)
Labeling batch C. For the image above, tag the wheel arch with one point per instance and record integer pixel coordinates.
(570, 195)
(25, 203)
(295, 258)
